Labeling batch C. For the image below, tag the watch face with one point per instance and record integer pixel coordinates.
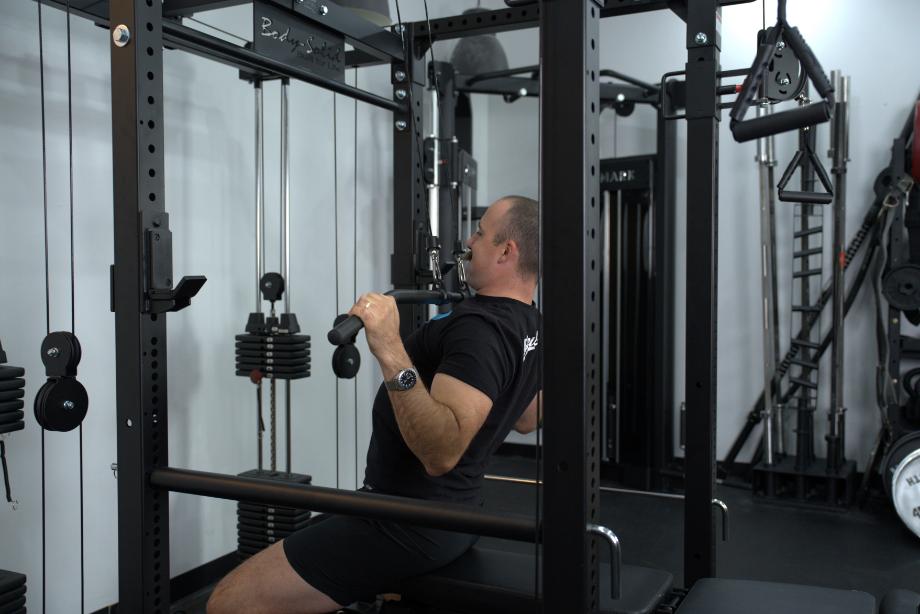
(406, 379)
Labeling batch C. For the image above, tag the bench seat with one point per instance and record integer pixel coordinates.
(489, 581)
(727, 596)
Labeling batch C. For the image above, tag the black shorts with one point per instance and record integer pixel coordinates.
(354, 559)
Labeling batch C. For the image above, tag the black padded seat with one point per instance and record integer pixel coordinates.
(725, 596)
(488, 581)
(900, 601)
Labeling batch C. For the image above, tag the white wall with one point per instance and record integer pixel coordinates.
(867, 43)
(209, 186)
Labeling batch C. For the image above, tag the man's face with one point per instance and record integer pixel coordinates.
(484, 254)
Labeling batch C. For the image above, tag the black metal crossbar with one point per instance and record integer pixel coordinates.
(432, 514)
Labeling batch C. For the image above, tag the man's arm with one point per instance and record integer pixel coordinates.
(437, 426)
(529, 420)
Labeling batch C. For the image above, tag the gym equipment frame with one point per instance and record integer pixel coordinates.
(142, 293)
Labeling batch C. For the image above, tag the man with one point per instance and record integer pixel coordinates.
(450, 396)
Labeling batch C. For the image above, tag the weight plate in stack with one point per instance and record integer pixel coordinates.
(12, 390)
(280, 356)
(260, 525)
(12, 592)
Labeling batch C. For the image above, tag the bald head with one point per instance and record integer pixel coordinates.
(519, 221)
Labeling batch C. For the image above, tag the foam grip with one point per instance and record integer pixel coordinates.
(751, 88)
(815, 113)
(811, 198)
(810, 63)
(345, 331)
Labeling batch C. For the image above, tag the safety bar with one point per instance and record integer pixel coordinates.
(815, 113)
(345, 331)
(431, 514)
(616, 556)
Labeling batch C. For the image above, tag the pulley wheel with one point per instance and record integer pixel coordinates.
(346, 360)
(61, 353)
(901, 287)
(61, 404)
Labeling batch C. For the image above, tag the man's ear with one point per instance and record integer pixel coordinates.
(509, 250)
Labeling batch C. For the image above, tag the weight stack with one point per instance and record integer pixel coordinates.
(12, 389)
(277, 355)
(260, 525)
(12, 592)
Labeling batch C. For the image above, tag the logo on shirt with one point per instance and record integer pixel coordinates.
(530, 344)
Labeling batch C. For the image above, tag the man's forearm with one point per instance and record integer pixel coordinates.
(429, 427)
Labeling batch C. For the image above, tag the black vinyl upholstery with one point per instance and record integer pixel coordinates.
(488, 581)
(900, 601)
(725, 596)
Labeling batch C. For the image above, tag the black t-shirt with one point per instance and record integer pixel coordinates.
(490, 343)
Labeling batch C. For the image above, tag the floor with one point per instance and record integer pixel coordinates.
(866, 549)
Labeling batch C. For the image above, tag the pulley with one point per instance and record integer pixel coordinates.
(62, 402)
(346, 359)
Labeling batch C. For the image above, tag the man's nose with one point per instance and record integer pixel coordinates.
(469, 241)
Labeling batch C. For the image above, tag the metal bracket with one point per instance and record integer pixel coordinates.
(160, 295)
(723, 508)
(616, 556)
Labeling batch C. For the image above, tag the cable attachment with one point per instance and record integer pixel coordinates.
(804, 156)
(772, 41)
(62, 402)
(160, 294)
(434, 260)
(462, 255)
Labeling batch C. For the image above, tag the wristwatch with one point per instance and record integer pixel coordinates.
(404, 380)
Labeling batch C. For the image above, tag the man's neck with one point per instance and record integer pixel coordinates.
(520, 292)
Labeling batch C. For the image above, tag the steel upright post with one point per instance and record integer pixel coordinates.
(840, 153)
(260, 236)
(409, 203)
(286, 250)
(703, 48)
(140, 335)
(569, 193)
(765, 163)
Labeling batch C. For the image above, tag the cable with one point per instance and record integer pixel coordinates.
(73, 294)
(354, 259)
(335, 191)
(41, 62)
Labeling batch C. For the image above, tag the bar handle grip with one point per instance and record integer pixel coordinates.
(346, 330)
(768, 125)
(810, 63)
(809, 198)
